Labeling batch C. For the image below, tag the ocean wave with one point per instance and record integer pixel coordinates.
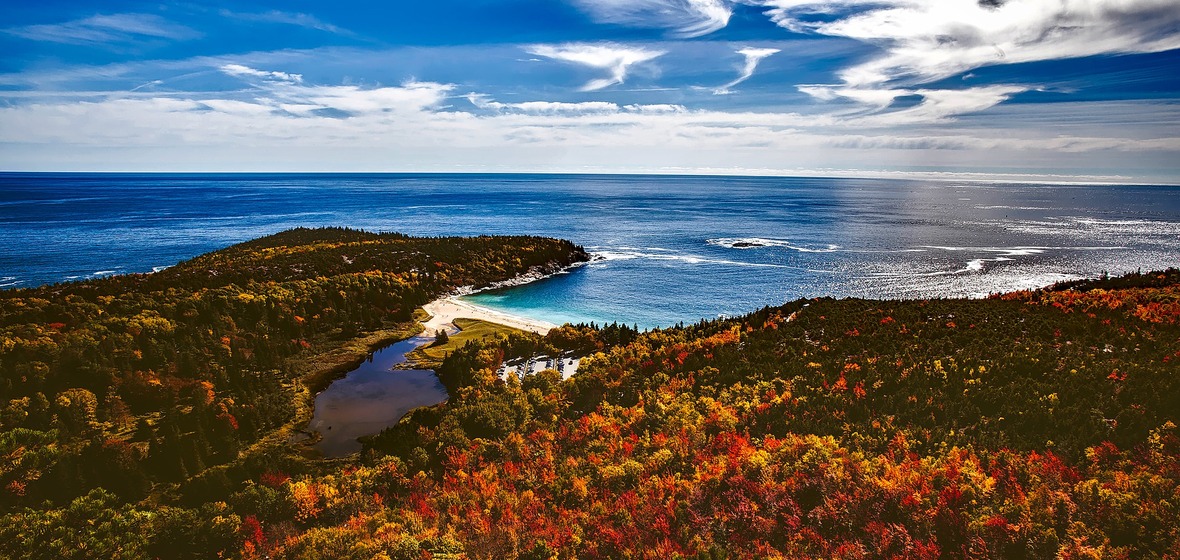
(1003, 251)
(1092, 228)
(757, 242)
(9, 281)
(973, 266)
(105, 272)
(981, 265)
(976, 287)
(159, 268)
(625, 248)
(886, 251)
(601, 255)
(621, 255)
(1006, 207)
(1023, 251)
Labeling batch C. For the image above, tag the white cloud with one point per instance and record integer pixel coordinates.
(409, 98)
(686, 18)
(543, 107)
(245, 71)
(935, 105)
(924, 41)
(415, 114)
(616, 59)
(879, 98)
(927, 40)
(280, 124)
(753, 57)
(939, 104)
(566, 109)
(284, 95)
(292, 127)
(109, 29)
(658, 108)
(1071, 144)
(235, 107)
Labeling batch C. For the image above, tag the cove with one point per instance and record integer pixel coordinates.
(373, 397)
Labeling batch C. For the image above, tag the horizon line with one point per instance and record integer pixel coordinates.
(964, 176)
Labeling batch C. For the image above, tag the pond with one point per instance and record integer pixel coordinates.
(373, 397)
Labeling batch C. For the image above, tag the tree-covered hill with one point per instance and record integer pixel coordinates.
(1037, 424)
(1029, 425)
(133, 383)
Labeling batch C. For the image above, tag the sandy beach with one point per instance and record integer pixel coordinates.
(444, 311)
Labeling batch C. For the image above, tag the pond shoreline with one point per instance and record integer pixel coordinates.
(371, 397)
(371, 404)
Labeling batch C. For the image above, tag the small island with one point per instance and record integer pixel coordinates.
(167, 415)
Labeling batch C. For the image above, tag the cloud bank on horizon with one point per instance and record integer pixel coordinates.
(1063, 89)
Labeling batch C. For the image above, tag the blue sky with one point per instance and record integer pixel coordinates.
(1039, 89)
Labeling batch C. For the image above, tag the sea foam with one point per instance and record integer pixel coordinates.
(602, 256)
(757, 242)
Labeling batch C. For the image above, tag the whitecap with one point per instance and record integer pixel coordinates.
(757, 242)
(617, 255)
(887, 251)
(614, 255)
(1023, 251)
(1006, 207)
(1090, 228)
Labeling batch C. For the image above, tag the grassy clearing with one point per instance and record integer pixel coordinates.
(430, 357)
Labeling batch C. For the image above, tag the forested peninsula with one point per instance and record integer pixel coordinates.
(158, 416)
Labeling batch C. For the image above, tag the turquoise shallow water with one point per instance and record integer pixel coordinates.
(672, 249)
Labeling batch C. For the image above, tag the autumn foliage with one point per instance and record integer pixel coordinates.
(858, 429)
(1039, 424)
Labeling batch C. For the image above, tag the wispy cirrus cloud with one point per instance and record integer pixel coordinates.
(298, 19)
(542, 107)
(924, 41)
(106, 29)
(936, 105)
(753, 57)
(616, 59)
(240, 70)
(927, 40)
(939, 105)
(285, 93)
(409, 98)
(685, 18)
(280, 123)
(485, 102)
(411, 127)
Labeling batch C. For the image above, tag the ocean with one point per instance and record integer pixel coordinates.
(670, 249)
